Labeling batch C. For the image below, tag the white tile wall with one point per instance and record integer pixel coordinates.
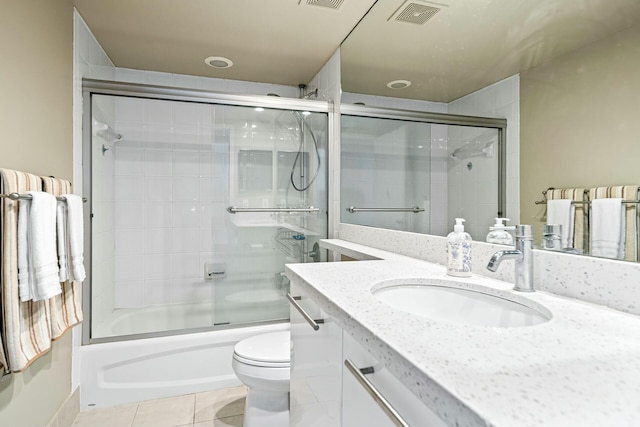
(172, 188)
(438, 222)
(502, 100)
(158, 199)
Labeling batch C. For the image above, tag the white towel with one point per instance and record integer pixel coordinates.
(608, 228)
(24, 275)
(61, 228)
(74, 238)
(37, 266)
(562, 211)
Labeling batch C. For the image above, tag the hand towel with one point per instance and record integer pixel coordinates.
(61, 228)
(24, 275)
(37, 260)
(75, 237)
(562, 212)
(625, 192)
(65, 309)
(608, 228)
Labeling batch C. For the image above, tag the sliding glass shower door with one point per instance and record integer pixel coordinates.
(274, 212)
(177, 241)
(418, 176)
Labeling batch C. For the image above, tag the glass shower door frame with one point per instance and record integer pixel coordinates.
(99, 87)
(445, 119)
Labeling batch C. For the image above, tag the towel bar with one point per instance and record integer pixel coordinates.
(579, 202)
(17, 196)
(414, 209)
(5, 375)
(588, 202)
(233, 209)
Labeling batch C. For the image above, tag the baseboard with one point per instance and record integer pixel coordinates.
(68, 411)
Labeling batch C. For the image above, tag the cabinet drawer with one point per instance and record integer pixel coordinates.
(359, 407)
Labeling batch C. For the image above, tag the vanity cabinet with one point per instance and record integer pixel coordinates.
(325, 393)
(316, 370)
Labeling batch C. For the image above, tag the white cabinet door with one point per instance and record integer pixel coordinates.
(359, 409)
(316, 368)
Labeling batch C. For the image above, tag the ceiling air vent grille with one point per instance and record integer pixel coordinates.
(415, 13)
(332, 4)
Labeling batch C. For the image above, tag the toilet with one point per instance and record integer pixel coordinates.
(262, 363)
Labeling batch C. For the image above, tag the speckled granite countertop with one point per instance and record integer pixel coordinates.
(581, 368)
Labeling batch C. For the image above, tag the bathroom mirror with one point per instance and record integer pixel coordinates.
(577, 84)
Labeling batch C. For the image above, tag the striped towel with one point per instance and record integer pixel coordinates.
(625, 192)
(66, 308)
(26, 330)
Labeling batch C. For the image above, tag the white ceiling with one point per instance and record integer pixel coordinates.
(469, 44)
(269, 41)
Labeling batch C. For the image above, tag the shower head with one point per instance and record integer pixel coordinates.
(313, 93)
(105, 131)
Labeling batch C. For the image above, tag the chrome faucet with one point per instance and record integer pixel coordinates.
(523, 255)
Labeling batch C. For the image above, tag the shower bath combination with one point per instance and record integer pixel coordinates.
(205, 184)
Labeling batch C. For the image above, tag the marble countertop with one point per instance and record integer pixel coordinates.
(581, 368)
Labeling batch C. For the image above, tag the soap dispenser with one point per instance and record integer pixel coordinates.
(459, 251)
(498, 233)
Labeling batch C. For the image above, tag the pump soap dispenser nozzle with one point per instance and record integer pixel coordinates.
(459, 226)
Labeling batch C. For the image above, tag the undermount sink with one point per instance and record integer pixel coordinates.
(458, 302)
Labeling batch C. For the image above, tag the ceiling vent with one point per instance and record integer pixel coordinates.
(331, 4)
(413, 12)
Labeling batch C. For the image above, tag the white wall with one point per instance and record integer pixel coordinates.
(36, 105)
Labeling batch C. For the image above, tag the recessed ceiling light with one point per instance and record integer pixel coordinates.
(259, 109)
(398, 84)
(218, 62)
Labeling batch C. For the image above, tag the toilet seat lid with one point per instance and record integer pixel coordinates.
(274, 347)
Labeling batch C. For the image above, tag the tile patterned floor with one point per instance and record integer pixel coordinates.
(219, 408)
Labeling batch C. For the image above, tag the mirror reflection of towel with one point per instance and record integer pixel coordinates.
(562, 212)
(608, 228)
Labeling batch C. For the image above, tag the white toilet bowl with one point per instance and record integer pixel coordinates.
(262, 363)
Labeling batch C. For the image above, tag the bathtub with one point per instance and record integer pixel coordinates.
(151, 368)
(159, 318)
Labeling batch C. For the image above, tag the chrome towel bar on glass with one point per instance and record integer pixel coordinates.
(233, 209)
(414, 209)
(17, 196)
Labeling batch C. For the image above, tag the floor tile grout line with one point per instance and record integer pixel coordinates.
(193, 417)
(135, 413)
